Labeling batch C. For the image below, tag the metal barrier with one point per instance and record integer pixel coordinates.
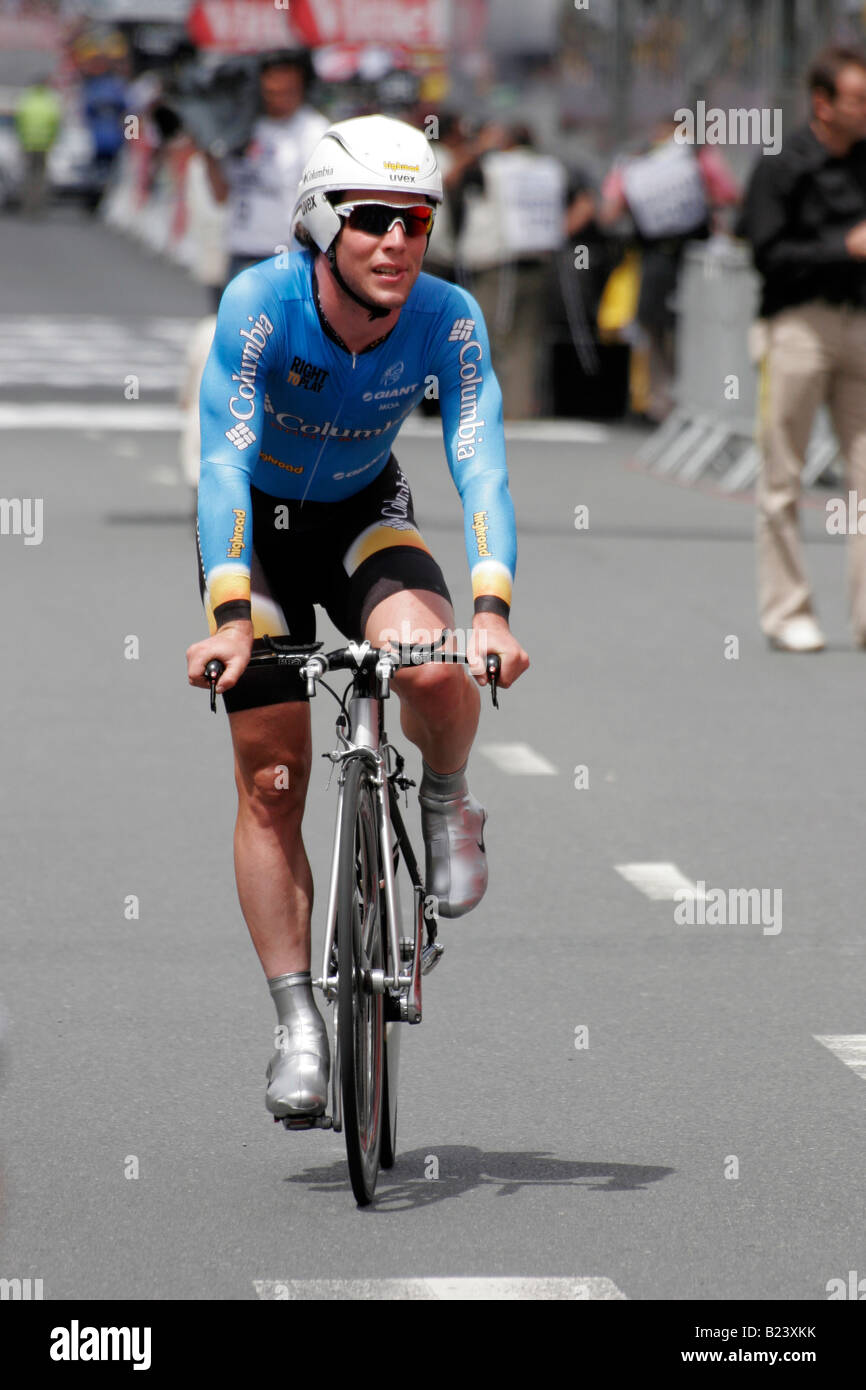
(712, 428)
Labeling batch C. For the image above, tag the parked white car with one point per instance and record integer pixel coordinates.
(70, 168)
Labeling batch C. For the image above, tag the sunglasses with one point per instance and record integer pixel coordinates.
(378, 218)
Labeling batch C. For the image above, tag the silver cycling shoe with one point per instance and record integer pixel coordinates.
(453, 830)
(298, 1071)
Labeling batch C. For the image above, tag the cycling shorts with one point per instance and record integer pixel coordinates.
(347, 556)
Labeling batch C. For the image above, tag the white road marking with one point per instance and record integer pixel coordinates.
(584, 1289)
(658, 881)
(138, 415)
(80, 350)
(56, 364)
(850, 1048)
(79, 415)
(518, 759)
(535, 431)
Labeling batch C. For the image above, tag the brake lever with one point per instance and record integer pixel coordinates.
(494, 666)
(213, 671)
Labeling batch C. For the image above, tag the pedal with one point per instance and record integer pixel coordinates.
(305, 1121)
(431, 954)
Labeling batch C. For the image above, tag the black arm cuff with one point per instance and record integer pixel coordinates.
(238, 609)
(488, 603)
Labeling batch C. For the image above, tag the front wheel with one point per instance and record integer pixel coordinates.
(389, 1095)
(360, 1008)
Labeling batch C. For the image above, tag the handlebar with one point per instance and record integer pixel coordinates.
(363, 657)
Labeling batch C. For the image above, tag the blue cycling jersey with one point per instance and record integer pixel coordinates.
(286, 408)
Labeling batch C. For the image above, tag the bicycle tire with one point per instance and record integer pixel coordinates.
(388, 1150)
(360, 1011)
(393, 1034)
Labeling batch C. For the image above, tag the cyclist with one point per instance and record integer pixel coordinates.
(318, 356)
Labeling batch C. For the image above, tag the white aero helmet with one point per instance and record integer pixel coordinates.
(376, 153)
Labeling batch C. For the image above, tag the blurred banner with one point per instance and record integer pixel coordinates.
(21, 32)
(240, 26)
(244, 26)
(405, 23)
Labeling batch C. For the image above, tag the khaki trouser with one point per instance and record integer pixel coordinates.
(815, 353)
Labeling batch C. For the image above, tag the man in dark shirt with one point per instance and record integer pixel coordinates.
(805, 216)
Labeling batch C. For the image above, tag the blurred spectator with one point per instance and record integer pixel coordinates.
(450, 148)
(37, 121)
(104, 105)
(805, 215)
(670, 192)
(206, 227)
(260, 184)
(583, 232)
(512, 224)
(589, 364)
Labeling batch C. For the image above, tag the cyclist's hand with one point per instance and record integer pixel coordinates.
(855, 242)
(233, 645)
(492, 634)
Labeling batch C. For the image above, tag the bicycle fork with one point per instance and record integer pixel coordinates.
(363, 721)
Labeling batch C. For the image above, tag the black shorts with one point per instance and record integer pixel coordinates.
(347, 556)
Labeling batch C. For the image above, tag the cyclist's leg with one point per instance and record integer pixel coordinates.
(270, 726)
(273, 754)
(385, 582)
(439, 701)
(272, 747)
(390, 588)
(439, 708)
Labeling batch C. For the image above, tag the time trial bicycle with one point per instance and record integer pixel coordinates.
(373, 958)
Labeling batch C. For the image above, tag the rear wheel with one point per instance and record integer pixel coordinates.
(360, 1007)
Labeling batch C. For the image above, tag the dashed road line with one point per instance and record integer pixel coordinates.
(850, 1048)
(518, 759)
(659, 881)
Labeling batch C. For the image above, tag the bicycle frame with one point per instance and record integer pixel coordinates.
(365, 723)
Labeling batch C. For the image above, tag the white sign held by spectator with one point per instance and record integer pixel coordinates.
(665, 192)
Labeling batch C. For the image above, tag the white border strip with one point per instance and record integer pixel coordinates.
(81, 415)
(462, 1289)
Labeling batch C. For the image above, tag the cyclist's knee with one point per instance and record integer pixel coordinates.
(275, 790)
(432, 684)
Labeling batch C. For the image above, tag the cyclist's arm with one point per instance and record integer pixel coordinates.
(231, 406)
(472, 428)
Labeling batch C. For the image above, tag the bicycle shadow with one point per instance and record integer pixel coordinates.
(460, 1168)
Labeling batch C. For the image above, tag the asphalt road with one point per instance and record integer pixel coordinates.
(146, 1038)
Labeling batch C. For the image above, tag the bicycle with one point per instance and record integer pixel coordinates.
(369, 969)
